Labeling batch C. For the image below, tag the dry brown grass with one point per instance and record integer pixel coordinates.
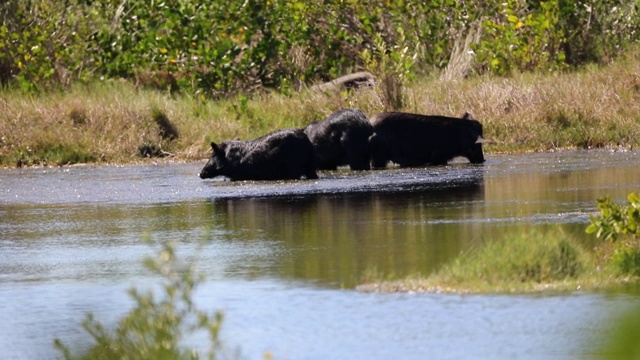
(109, 122)
(597, 107)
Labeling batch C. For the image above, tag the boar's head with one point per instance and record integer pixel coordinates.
(217, 164)
(474, 153)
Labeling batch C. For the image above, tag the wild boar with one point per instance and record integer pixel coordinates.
(342, 139)
(414, 140)
(282, 154)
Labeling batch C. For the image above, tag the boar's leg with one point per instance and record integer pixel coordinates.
(359, 160)
(310, 173)
(309, 166)
(327, 165)
(379, 156)
(475, 154)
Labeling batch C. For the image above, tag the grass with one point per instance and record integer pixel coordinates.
(621, 342)
(111, 121)
(521, 262)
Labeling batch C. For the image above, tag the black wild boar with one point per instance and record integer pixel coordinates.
(342, 139)
(282, 154)
(415, 140)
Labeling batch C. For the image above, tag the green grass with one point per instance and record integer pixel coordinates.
(108, 122)
(621, 341)
(530, 261)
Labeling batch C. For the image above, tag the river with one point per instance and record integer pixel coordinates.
(282, 259)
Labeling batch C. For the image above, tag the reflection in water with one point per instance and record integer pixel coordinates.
(336, 238)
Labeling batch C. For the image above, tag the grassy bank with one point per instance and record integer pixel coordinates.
(113, 122)
(519, 263)
(535, 261)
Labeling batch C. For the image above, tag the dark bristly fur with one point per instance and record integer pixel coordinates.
(414, 140)
(282, 154)
(342, 139)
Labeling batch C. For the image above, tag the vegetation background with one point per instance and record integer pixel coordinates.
(120, 80)
(81, 70)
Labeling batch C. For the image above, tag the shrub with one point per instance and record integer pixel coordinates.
(154, 328)
(392, 66)
(626, 258)
(220, 48)
(530, 38)
(614, 222)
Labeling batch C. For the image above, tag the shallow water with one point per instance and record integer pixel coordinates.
(282, 258)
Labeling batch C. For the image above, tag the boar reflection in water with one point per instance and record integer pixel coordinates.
(294, 217)
(280, 155)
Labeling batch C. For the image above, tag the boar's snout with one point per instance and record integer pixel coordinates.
(209, 171)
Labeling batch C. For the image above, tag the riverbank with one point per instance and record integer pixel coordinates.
(519, 263)
(114, 122)
(532, 261)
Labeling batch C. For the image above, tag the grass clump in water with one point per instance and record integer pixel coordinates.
(522, 260)
(532, 260)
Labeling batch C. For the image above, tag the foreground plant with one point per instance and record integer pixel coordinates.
(615, 220)
(154, 328)
(620, 226)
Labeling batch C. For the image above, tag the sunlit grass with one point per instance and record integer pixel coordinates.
(521, 262)
(108, 122)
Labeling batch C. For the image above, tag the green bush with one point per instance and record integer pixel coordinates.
(392, 66)
(154, 328)
(530, 38)
(218, 48)
(626, 258)
(614, 222)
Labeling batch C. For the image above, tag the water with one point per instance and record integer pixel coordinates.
(282, 259)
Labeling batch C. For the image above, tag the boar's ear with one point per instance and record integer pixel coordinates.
(216, 148)
(467, 116)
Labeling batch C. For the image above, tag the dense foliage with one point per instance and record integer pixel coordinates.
(215, 48)
(615, 220)
(616, 223)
